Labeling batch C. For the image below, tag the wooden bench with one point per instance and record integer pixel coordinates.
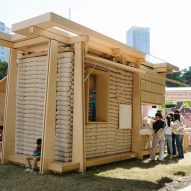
(63, 166)
(20, 159)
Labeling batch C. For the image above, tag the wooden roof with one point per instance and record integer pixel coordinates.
(38, 30)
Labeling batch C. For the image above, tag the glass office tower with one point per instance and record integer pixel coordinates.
(139, 38)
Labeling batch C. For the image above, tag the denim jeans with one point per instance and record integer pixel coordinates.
(179, 145)
(168, 139)
(174, 143)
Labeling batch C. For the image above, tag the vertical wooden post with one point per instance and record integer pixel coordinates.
(137, 118)
(10, 109)
(78, 154)
(48, 151)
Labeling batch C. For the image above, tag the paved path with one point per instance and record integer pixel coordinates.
(188, 188)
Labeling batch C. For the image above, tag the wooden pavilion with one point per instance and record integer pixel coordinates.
(77, 89)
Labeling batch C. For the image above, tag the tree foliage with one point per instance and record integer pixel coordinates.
(3, 69)
(181, 76)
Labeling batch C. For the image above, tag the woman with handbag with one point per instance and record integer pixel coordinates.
(177, 128)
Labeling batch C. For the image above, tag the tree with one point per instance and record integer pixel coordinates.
(3, 69)
(181, 76)
(187, 75)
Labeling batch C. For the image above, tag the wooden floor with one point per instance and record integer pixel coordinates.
(61, 167)
(55, 166)
(110, 159)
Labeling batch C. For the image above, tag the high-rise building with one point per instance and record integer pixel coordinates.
(4, 51)
(139, 38)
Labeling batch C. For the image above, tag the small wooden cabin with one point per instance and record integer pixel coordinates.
(79, 90)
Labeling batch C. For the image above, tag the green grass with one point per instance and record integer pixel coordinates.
(122, 176)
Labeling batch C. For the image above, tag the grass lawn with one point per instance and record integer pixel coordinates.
(128, 175)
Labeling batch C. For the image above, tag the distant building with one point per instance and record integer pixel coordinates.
(179, 98)
(4, 51)
(139, 38)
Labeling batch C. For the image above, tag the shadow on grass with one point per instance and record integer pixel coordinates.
(180, 173)
(163, 181)
(131, 163)
(14, 178)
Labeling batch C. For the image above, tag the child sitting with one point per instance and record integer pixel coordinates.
(35, 157)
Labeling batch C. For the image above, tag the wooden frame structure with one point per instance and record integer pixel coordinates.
(49, 37)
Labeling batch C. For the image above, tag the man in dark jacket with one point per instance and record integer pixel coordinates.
(158, 137)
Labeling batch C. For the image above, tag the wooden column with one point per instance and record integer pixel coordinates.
(137, 118)
(10, 109)
(48, 151)
(78, 154)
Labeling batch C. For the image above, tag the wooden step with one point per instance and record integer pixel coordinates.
(63, 166)
(20, 159)
(110, 159)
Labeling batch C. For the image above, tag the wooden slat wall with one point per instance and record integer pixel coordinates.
(30, 102)
(104, 139)
(64, 119)
(153, 88)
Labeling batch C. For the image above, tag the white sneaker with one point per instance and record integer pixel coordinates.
(27, 169)
(32, 170)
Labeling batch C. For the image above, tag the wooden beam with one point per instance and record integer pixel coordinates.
(96, 46)
(137, 116)
(48, 34)
(6, 43)
(49, 20)
(76, 39)
(10, 108)
(78, 154)
(177, 82)
(117, 52)
(50, 113)
(114, 64)
(5, 36)
(31, 42)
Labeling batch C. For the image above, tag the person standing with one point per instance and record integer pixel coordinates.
(158, 137)
(178, 131)
(168, 135)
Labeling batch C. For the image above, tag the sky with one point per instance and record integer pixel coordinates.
(169, 20)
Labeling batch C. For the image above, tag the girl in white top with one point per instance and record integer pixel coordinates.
(178, 131)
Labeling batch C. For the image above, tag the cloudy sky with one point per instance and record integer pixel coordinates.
(169, 20)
